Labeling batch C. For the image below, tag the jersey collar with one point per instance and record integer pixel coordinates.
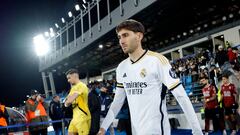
(139, 57)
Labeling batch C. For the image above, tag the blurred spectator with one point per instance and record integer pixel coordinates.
(105, 100)
(214, 73)
(228, 92)
(56, 113)
(95, 109)
(221, 56)
(3, 119)
(238, 55)
(36, 112)
(227, 44)
(235, 51)
(202, 61)
(232, 55)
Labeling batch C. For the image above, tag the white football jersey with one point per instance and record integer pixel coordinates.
(142, 81)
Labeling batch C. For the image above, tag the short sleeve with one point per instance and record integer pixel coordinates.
(77, 89)
(166, 73)
(119, 78)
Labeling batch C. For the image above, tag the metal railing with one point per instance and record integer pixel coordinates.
(24, 128)
(194, 92)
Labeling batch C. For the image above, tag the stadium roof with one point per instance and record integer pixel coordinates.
(167, 22)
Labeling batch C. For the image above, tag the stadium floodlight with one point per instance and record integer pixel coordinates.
(224, 18)
(56, 25)
(198, 28)
(70, 14)
(77, 7)
(184, 33)
(100, 46)
(214, 22)
(230, 15)
(84, 6)
(51, 29)
(46, 34)
(205, 25)
(84, 1)
(191, 31)
(52, 34)
(41, 45)
(63, 20)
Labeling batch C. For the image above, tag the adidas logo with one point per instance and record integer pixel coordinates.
(124, 75)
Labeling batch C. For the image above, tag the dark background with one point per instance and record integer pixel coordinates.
(20, 21)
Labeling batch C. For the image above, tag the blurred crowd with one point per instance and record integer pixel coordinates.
(214, 79)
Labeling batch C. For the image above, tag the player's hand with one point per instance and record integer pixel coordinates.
(101, 131)
(65, 104)
(39, 98)
(207, 100)
(204, 104)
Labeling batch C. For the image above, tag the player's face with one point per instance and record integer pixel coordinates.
(224, 80)
(129, 40)
(57, 98)
(34, 96)
(203, 81)
(103, 89)
(71, 78)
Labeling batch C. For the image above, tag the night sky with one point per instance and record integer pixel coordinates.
(20, 21)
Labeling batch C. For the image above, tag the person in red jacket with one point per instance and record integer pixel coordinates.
(232, 55)
(229, 94)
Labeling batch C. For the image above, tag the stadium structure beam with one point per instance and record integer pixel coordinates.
(95, 32)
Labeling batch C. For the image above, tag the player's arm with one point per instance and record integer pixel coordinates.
(115, 107)
(169, 79)
(180, 94)
(75, 92)
(235, 93)
(70, 99)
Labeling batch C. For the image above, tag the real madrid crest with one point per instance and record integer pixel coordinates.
(143, 73)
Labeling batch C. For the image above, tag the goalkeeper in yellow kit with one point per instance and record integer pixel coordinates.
(78, 98)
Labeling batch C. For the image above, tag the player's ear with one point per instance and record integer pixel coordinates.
(140, 36)
(76, 75)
